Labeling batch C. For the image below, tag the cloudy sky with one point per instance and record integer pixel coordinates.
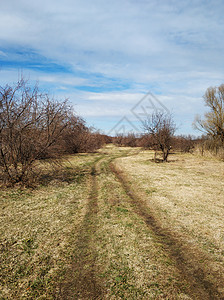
(106, 55)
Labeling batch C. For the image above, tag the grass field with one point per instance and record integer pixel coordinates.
(115, 225)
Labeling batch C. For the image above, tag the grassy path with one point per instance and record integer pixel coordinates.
(81, 282)
(95, 238)
(130, 261)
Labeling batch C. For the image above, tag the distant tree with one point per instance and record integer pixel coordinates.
(184, 143)
(213, 122)
(118, 139)
(160, 129)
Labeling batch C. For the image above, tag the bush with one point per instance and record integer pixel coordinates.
(34, 126)
(30, 124)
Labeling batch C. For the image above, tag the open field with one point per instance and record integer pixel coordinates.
(115, 225)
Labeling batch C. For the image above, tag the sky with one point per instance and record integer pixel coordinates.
(113, 57)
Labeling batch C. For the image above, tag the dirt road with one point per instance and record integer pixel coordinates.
(122, 252)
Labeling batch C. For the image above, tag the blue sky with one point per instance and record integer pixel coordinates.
(106, 55)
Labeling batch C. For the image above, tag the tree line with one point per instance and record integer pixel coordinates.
(34, 127)
(159, 130)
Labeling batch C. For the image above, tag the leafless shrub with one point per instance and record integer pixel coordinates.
(34, 126)
(79, 138)
(30, 124)
(75, 136)
(118, 139)
(131, 140)
(128, 140)
(160, 128)
(207, 146)
(184, 143)
(145, 141)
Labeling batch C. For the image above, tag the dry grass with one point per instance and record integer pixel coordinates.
(131, 261)
(186, 195)
(36, 229)
(79, 233)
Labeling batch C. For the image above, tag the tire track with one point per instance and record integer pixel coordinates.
(81, 281)
(191, 272)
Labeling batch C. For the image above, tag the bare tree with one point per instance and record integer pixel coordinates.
(213, 123)
(160, 128)
(30, 123)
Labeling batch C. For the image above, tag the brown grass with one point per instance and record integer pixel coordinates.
(133, 262)
(37, 228)
(87, 233)
(186, 196)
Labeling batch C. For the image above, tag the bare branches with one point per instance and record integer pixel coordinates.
(34, 126)
(30, 123)
(213, 123)
(160, 129)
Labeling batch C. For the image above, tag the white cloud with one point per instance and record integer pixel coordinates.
(63, 79)
(2, 53)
